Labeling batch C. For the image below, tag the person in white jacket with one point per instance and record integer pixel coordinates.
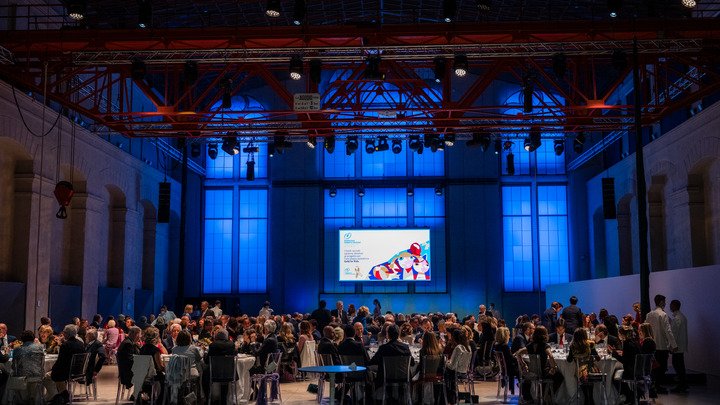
(679, 330)
(664, 339)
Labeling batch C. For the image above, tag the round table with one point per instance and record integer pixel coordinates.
(331, 371)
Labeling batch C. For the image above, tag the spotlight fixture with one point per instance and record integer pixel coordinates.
(212, 151)
(333, 192)
(315, 70)
(76, 9)
(138, 70)
(449, 10)
(372, 72)
(330, 144)
(527, 89)
(533, 141)
(578, 143)
(382, 145)
(351, 145)
(438, 190)
(439, 69)
(296, 68)
(410, 190)
(280, 143)
(396, 146)
(689, 3)
(190, 75)
(361, 191)
(271, 150)
(510, 169)
(559, 65)
(230, 144)
(614, 7)
(449, 139)
(461, 65)
(195, 150)
(559, 146)
(273, 8)
(484, 5)
(370, 145)
(507, 145)
(251, 148)
(419, 150)
(479, 139)
(415, 143)
(250, 173)
(299, 12)
(312, 142)
(619, 60)
(437, 144)
(145, 13)
(498, 146)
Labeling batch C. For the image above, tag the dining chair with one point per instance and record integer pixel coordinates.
(122, 393)
(271, 376)
(355, 380)
(592, 380)
(224, 372)
(396, 373)
(467, 378)
(78, 367)
(503, 376)
(30, 369)
(643, 368)
(432, 372)
(531, 372)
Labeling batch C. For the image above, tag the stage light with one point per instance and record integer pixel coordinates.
(190, 75)
(299, 12)
(614, 7)
(449, 139)
(311, 142)
(460, 64)
(76, 9)
(361, 191)
(145, 13)
(438, 191)
(619, 60)
(419, 150)
(333, 192)
(250, 173)
(370, 145)
(212, 151)
(230, 145)
(138, 70)
(382, 145)
(559, 64)
(296, 68)
(559, 146)
(484, 5)
(280, 143)
(449, 10)
(330, 144)
(475, 141)
(410, 190)
(195, 150)
(397, 146)
(436, 144)
(507, 145)
(533, 141)
(372, 72)
(578, 143)
(414, 143)
(271, 150)
(510, 170)
(315, 70)
(351, 145)
(273, 8)
(440, 67)
(528, 93)
(498, 146)
(689, 3)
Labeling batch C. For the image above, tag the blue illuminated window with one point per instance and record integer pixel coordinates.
(429, 164)
(547, 161)
(517, 238)
(339, 213)
(220, 167)
(553, 235)
(338, 164)
(253, 241)
(217, 248)
(384, 164)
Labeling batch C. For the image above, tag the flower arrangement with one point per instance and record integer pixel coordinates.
(14, 345)
(204, 342)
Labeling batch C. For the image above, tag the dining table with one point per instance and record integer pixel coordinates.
(331, 371)
(567, 393)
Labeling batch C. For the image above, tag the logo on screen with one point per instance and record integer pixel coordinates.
(348, 235)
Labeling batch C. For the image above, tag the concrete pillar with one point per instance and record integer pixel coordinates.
(7, 199)
(132, 270)
(116, 250)
(92, 256)
(148, 252)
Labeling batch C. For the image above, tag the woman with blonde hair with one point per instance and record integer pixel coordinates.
(502, 337)
(47, 339)
(286, 334)
(406, 333)
(112, 340)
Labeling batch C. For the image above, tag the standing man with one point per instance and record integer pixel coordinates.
(340, 315)
(679, 330)
(573, 316)
(664, 340)
(205, 311)
(549, 317)
(216, 310)
(322, 316)
(482, 311)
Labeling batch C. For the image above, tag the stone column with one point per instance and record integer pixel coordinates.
(7, 229)
(132, 270)
(92, 256)
(679, 245)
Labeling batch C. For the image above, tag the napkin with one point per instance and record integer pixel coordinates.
(353, 366)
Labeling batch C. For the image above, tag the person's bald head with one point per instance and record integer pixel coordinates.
(329, 332)
(359, 329)
(3, 330)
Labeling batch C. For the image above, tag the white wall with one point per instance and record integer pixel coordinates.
(698, 290)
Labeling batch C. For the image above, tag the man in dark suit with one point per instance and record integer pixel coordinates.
(130, 346)
(339, 313)
(97, 321)
(327, 347)
(97, 355)
(573, 316)
(523, 339)
(61, 369)
(206, 311)
(350, 346)
(360, 334)
(322, 316)
(317, 336)
(603, 337)
(549, 317)
(169, 341)
(560, 337)
(269, 346)
(5, 339)
(143, 323)
(393, 348)
(221, 346)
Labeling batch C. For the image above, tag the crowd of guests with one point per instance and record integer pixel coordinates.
(350, 332)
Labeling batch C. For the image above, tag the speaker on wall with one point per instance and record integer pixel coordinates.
(608, 196)
(163, 215)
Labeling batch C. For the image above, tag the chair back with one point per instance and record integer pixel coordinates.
(355, 375)
(178, 368)
(307, 356)
(272, 363)
(222, 369)
(325, 359)
(289, 351)
(500, 360)
(396, 369)
(643, 366)
(29, 365)
(433, 368)
(78, 365)
(534, 368)
(471, 365)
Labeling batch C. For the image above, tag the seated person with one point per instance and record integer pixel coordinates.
(61, 369)
(169, 341)
(128, 347)
(584, 352)
(502, 337)
(602, 336)
(47, 339)
(540, 347)
(560, 337)
(268, 347)
(151, 337)
(97, 355)
(221, 346)
(184, 348)
(393, 348)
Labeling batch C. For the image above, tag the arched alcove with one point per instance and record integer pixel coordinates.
(71, 231)
(599, 244)
(117, 213)
(625, 234)
(657, 223)
(700, 210)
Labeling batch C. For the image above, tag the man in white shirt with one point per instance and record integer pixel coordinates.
(679, 330)
(664, 339)
(218, 312)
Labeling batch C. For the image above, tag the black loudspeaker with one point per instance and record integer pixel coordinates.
(163, 216)
(608, 196)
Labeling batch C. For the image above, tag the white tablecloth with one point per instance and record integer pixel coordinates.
(568, 390)
(243, 363)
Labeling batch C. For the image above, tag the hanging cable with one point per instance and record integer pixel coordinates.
(36, 304)
(22, 117)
